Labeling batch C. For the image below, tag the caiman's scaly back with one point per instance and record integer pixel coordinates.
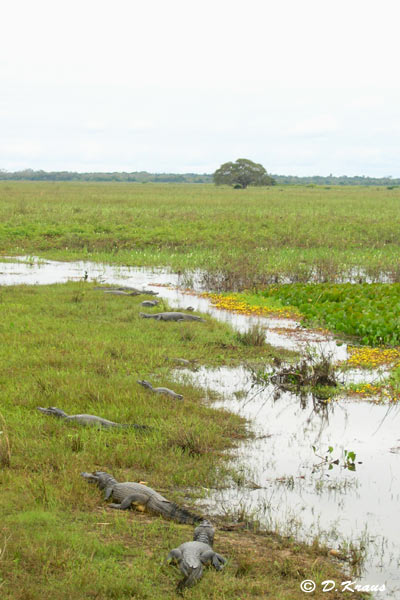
(131, 494)
(191, 556)
(204, 532)
(85, 419)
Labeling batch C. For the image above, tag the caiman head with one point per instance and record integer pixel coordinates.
(102, 479)
(52, 410)
(204, 532)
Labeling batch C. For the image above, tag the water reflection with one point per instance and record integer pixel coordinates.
(296, 499)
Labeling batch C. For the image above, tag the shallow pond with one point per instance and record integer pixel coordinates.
(294, 497)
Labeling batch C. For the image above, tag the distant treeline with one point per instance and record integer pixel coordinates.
(333, 180)
(136, 176)
(145, 177)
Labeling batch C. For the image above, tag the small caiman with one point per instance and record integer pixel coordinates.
(131, 291)
(171, 316)
(86, 419)
(160, 390)
(192, 556)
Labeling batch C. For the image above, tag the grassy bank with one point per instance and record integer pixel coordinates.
(81, 350)
(242, 238)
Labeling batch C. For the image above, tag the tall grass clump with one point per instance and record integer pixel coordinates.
(5, 449)
(254, 336)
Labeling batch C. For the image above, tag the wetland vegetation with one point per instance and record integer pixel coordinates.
(368, 312)
(240, 238)
(83, 351)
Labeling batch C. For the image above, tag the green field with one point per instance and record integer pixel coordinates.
(243, 238)
(81, 350)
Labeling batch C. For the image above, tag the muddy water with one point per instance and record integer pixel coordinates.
(336, 504)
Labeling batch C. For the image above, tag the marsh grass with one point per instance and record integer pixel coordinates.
(254, 336)
(62, 540)
(191, 442)
(240, 239)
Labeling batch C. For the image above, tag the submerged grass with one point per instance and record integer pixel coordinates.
(315, 374)
(242, 239)
(81, 350)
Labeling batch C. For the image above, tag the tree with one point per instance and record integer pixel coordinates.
(242, 173)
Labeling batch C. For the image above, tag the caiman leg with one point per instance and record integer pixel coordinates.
(214, 558)
(138, 500)
(175, 555)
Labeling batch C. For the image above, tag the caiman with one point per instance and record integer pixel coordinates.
(160, 390)
(133, 291)
(142, 291)
(192, 556)
(86, 419)
(121, 293)
(130, 494)
(171, 316)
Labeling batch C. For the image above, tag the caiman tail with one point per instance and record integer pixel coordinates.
(173, 511)
(193, 575)
(136, 427)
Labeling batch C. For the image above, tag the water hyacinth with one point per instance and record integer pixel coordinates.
(369, 312)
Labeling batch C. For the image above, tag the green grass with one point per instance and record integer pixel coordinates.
(86, 356)
(248, 237)
(81, 350)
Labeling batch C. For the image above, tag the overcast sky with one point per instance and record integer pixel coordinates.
(304, 87)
